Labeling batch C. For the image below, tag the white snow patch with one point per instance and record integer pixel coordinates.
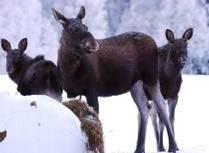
(118, 115)
(47, 128)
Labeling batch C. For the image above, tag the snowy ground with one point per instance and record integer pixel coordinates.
(119, 118)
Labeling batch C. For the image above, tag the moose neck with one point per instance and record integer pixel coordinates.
(170, 70)
(69, 55)
(18, 75)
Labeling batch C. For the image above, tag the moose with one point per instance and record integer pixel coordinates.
(111, 66)
(172, 59)
(32, 75)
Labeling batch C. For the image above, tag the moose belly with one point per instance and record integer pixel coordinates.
(112, 92)
(116, 86)
(73, 88)
(106, 87)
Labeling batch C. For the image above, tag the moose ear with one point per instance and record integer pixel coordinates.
(81, 13)
(23, 45)
(5, 44)
(169, 35)
(59, 17)
(188, 34)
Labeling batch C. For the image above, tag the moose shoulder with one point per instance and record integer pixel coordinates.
(111, 66)
(32, 75)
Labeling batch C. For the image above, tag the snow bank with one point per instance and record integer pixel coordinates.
(38, 124)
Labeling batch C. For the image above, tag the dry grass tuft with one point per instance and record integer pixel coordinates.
(90, 124)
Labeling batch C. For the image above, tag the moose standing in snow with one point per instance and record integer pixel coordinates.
(172, 59)
(111, 66)
(32, 75)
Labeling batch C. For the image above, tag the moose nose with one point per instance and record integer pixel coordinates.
(91, 45)
(183, 60)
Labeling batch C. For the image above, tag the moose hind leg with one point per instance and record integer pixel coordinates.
(161, 128)
(160, 104)
(141, 101)
(156, 122)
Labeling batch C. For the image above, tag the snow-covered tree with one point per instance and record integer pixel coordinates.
(153, 17)
(23, 18)
(115, 10)
(33, 19)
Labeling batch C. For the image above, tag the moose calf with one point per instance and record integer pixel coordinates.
(172, 59)
(32, 75)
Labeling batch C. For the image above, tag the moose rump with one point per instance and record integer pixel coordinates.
(41, 78)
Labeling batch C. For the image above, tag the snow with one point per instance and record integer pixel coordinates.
(50, 124)
(119, 118)
(44, 127)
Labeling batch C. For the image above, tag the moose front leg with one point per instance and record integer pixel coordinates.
(92, 100)
(172, 102)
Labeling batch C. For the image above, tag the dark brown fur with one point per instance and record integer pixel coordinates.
(113, 69)
(32, 75)
(111, 66)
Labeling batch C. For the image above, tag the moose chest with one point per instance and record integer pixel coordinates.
(77, 76)
(170, 86)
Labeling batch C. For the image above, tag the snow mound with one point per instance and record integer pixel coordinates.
(38, 124)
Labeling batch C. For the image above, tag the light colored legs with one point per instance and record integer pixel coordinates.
(160, 104)
(141, 101)
(158, 128)
(158, 123)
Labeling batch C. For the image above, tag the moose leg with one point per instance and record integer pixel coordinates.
(157, 128)
(161, 108)
(161, 128)
(171, 107)
(141, 101)
(92, 100)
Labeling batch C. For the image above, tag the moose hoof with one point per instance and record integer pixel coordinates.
(161, 149)
(139, 151)
(173, 150)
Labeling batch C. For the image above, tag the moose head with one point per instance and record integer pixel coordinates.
(178, 47)
(75, 32)
(14, 56)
